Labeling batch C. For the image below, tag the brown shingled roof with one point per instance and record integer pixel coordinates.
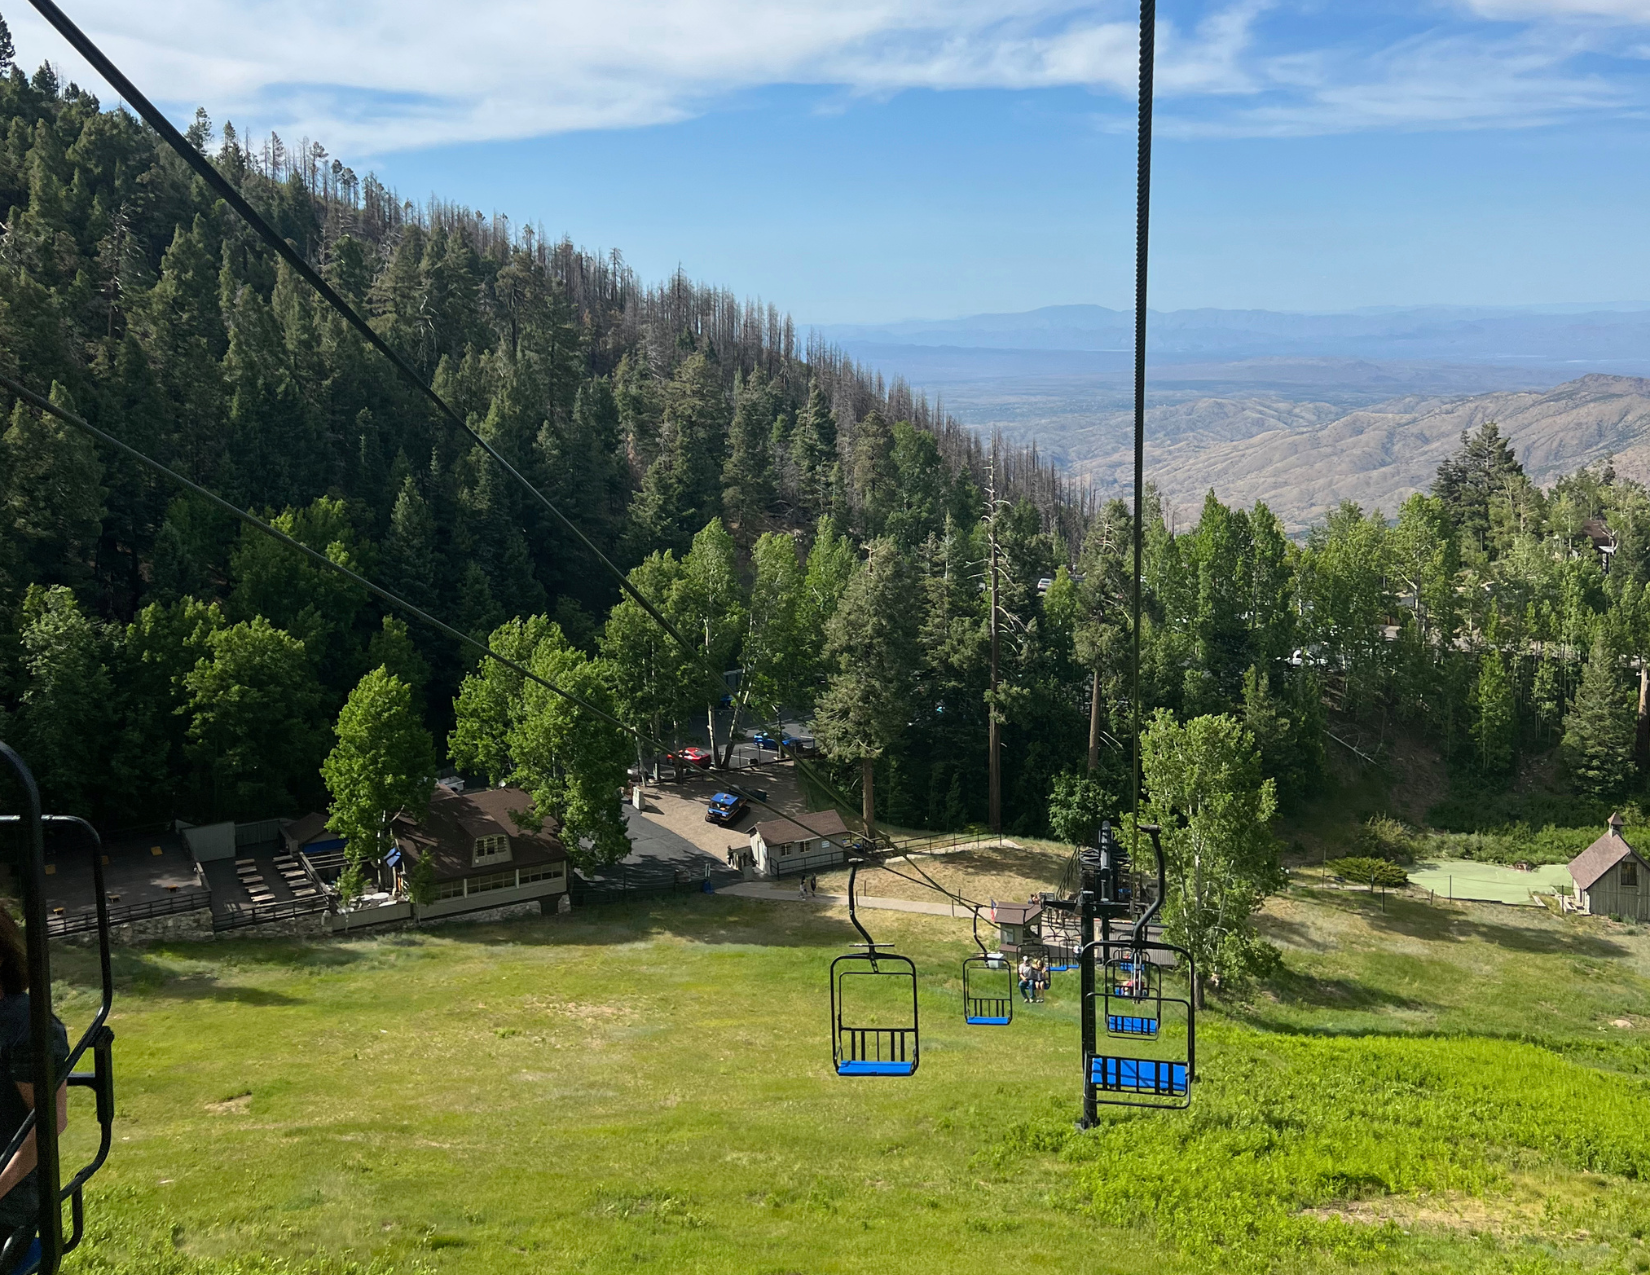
(454, 820)
(782, 832)
(1597, 859)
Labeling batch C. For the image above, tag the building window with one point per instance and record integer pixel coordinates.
(1629, 875)
(497, 881)
(491, 849)
(450, 890)
(552, 872)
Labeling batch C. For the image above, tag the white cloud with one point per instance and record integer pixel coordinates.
(1628, 10)
(378, 75)
(383, 74)
(1429, 81)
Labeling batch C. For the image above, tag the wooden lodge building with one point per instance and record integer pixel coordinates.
(482, 855)
(1611, 878)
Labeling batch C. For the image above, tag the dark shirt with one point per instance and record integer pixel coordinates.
(21, 1205)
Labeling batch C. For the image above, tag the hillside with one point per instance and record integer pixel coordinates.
(1303, 459)
(1393, 1097)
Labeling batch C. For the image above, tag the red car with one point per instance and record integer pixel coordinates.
(699, 757)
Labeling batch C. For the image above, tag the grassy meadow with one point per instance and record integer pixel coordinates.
(1429, 1089)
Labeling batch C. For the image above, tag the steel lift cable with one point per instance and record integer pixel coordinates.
(1142, 240)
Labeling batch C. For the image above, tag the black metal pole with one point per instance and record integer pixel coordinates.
(1085, 967)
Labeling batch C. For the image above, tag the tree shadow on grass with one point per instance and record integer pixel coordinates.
(1449, 925)
(696, 918)
(1299, 990)
(1293, 933)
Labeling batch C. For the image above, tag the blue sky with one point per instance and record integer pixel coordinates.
(870, 160)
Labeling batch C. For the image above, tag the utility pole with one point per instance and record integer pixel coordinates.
(994, 727)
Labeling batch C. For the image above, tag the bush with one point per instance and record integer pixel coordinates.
(1371, 872)
(1383, 837)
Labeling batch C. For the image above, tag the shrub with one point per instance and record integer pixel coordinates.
(1371, 872)
(1383, 837)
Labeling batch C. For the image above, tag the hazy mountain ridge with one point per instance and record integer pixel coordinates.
(1303, 461)
(1431, 332)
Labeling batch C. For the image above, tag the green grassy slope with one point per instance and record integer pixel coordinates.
(651, 1089)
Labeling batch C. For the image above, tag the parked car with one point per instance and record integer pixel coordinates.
(766, 742)
(725, 809)
(694, 756)
(799, 745)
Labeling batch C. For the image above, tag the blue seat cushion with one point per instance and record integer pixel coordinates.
(1129, 1025)
(1138, 1075)
(30, 1261)
(980, 1020)
(873, 1067)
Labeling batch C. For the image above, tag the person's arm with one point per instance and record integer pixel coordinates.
(28, 1155)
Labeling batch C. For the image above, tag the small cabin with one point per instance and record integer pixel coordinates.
(782, 846)
(1611, 878)
(1017, 925)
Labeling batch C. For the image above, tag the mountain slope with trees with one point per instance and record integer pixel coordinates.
(789, 513)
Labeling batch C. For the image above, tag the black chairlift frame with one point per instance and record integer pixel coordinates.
(30, 869)
(871, 1051)
(1104, 895)
(982, 1009)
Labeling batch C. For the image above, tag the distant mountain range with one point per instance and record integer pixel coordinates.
(1300, 410)
(1548, 335)
(1304, 458)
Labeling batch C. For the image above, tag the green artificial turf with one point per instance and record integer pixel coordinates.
(650, 1088)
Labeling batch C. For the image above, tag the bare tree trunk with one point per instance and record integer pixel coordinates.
(868, 797)
(1094, 723)
(994, 740)
(1641, 743)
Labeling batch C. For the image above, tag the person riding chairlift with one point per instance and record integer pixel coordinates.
(19, 1182)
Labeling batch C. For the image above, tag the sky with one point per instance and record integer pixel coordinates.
(874, 160)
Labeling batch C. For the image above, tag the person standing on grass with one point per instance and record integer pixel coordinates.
(813, 885)
(19, 1182)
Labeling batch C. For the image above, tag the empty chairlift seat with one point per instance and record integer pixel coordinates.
(874, 1014)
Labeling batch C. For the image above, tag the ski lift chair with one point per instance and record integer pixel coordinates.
(1136, 1004)
(42, 1246)
(988, 986)
(873, 1007)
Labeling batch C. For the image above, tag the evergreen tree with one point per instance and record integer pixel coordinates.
(1482, 467)
(876, 480)
(747, 478)
(409, 553)
(51, 494)
(870, 648)
(1600, 728)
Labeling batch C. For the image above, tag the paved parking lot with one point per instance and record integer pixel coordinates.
(678, 809)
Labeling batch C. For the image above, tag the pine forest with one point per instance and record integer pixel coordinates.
(832, 535)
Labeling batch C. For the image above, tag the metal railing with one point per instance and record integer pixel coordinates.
(243, 916)
(171, 905)
(930, 841)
